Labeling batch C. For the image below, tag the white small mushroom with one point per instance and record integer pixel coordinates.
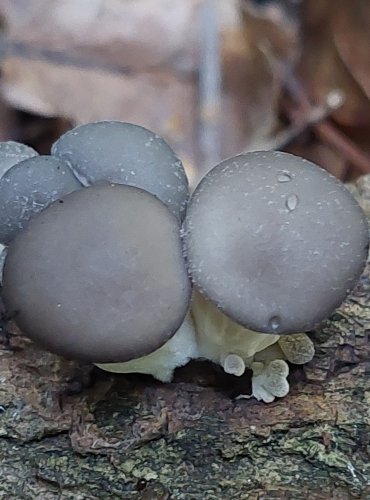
(297, 348)
(270, 380)
(270, 369)
(234, 365)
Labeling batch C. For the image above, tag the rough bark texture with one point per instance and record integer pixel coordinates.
(69, 432)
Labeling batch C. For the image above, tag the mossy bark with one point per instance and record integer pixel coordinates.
(70, 432)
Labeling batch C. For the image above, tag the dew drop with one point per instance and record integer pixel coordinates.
(274, 323)
(284, 177)
(292, 202)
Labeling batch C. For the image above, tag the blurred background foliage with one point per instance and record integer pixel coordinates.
(214, 77)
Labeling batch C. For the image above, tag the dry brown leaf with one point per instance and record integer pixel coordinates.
(335, 56)
(352, 40)
(105, 59)
(86, 95)
(249, 97)
(267, 37)
(151, 33)
(88, 60)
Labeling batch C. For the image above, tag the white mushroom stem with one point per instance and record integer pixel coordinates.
(219, 337)
(215, 337)
(178, 351)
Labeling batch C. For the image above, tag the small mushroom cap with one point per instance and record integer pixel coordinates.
(99, 275)
(297, 348)
(126, 154)
(11, 153)
(29, 187)
(270, 380)
(274, 241)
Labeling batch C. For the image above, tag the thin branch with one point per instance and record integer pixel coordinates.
(210, 83)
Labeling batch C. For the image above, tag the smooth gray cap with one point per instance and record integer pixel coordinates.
(29, 187)
(99, 275)
(11, 153)
(126, 154)
(274, 241)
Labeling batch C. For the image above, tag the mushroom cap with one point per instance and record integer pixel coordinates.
(274, 241)
(297, 348)
(28, 187)
(11, 153)
(124, 153)
(99, 275)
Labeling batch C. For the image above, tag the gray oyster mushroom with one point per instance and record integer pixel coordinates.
(99, 275)
(27, 188)
(208, 334)
(274, 241)
(273, 244)
(124, 153)
(11, 153)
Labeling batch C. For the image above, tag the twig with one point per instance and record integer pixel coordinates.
(330, 134)
(210, 78)
(326, 130)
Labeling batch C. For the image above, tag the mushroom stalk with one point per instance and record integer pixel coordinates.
(209, 334)
(178, 351)
(219, 337)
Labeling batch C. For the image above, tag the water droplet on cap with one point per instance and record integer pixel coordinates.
(284, 177)
(292, 202)
(274, 323)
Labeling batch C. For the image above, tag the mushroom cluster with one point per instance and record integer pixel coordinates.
(108, 261)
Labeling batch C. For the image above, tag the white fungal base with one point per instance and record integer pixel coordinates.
(178, 351)
(209, 334)
(219, 337)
